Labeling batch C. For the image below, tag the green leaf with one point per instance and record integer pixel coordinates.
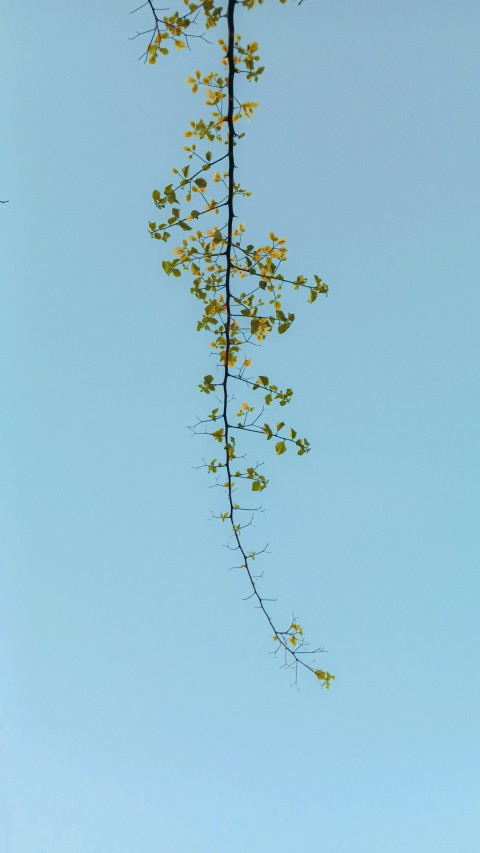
(201, 183)
(280, 447)
(207, 387)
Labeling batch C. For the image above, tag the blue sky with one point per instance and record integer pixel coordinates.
(140, 708)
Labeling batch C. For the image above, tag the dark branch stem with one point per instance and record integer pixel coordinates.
(228, 248)
(258, 264)
(281, 636)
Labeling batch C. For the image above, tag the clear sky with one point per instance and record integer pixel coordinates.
(141, 711)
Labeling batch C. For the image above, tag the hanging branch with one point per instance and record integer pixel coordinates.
(238, 284)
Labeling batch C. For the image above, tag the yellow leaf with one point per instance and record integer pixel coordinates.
(293, 640)
(320, 674)
(231, 358)
(245, 407)
(275, 637)
(180, 44)
(248, 108)
(247, 362)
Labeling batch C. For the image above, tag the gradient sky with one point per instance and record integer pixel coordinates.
(141, 711)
